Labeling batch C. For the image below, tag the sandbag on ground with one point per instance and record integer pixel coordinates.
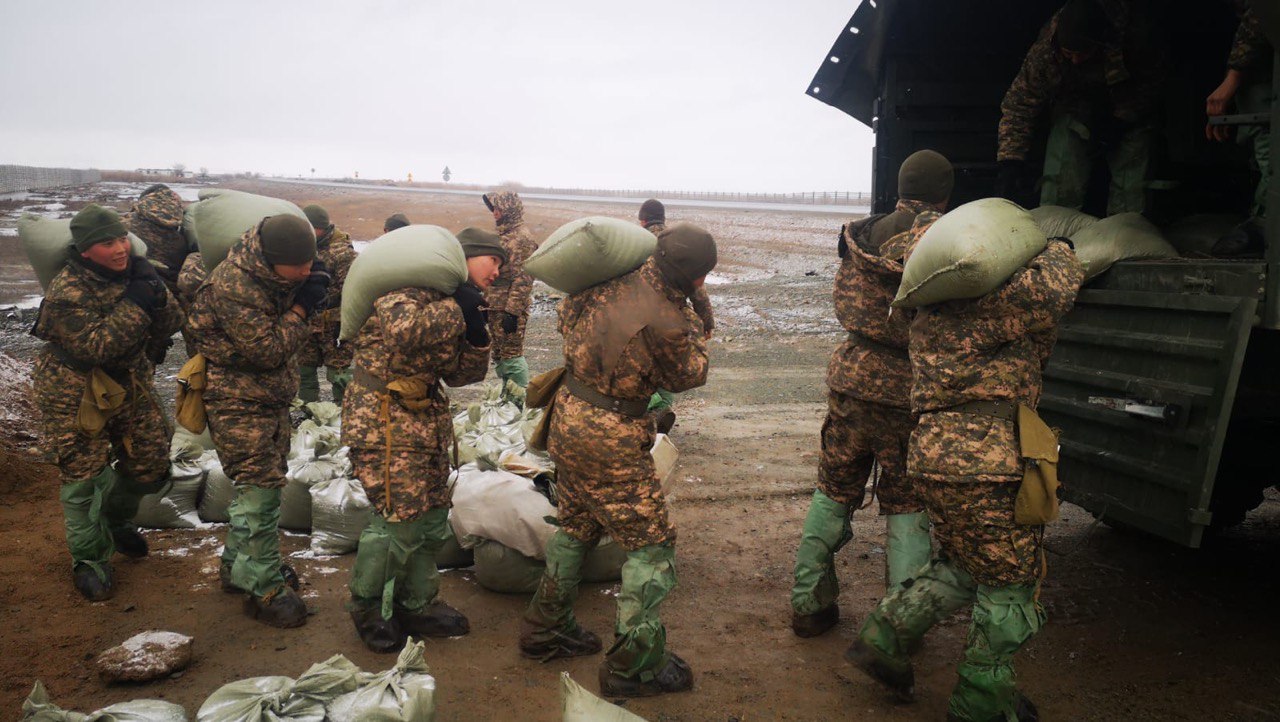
(504, 570)
(46, 242)
(181, 436)
(969, 252)
(452, 555)
(419, 256)
(38, 708)
(404, 693)
(579, 705)
(501, 506)
(305, 471)
(589, 251)
(1125, 236)
(215, 223)
(1060, 221)
(219, 492)
(339, 513)
(283, 699)
(175, 505)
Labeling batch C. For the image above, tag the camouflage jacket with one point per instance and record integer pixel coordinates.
(87, 323)
(872, 363)
(157, 219)
(512, 290)
(189, 279)
(335, 249)
(673, 357)
(699, 300)
(241, 322)
(1122, 82)
(991, 348)
(1250, 48)
(411, 332)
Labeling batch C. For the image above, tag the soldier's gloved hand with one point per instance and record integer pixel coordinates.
(1011, 178)
(158, 349)
(311, 294)
(145, 287)
(510, 322)
(471, 301)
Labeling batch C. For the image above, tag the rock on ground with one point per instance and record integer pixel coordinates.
(144, 657)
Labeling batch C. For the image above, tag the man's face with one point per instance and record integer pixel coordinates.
(294, 273)
(483, 270)
(112, 254)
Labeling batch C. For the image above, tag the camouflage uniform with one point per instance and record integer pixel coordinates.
(190, 277)
(87, 323)
(605, 475)
(321, 347)
(699, 301)
(157, 220)
(513, 289)
(240, 321)
(412, 332)
(990, 349)
(1251, 54)
(1108, 101)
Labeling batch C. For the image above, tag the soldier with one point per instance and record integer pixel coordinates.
(157, 220)
(1096, 69)
(93, 385)
(622, 340)
(394, 221)
(249, 319)
(333, 248)
(509, 295)
(869, 416)
(396, 421)
(190, 277)
(974, 361)
(653, 217)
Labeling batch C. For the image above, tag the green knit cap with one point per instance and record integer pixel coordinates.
(318, 216)
(287, 240)
(479, 242)
(95, 224)
(926, 175)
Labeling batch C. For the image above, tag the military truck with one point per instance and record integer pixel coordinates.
(1165, 380)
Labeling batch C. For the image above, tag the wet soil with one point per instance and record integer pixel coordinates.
(1138, 629)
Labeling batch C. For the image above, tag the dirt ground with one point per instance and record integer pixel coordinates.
(1138, 629)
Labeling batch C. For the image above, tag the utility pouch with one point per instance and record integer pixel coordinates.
(412, 393)
(192, 381)
(1037, 501)
(103, 398)
(541, 394)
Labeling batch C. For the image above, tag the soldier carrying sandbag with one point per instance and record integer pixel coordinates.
(623, 339)
(509, 296)
(396, 421)
(94, 388)
(869, 419)
(333, 248)
(157, 219)
(248, 321)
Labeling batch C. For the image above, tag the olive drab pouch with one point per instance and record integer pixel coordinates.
(1037, 501)
(541, 394)
(192, 381)
(413, 393)
(103, 398)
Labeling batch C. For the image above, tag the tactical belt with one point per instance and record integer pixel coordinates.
(868, 342)
(1003, 410)
(635, 409)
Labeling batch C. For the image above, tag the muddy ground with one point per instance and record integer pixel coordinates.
(1138, 629)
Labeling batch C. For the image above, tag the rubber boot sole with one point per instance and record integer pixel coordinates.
(816, 624)
(900, 684)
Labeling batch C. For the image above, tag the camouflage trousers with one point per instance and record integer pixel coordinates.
(415, 482)
(137, 438)
(605, 476)
(252, 440)
(857, 433)
(505, 345)
(974, 528)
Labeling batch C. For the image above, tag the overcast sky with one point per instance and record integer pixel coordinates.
(657, 94)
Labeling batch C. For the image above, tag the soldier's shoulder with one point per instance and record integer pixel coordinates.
(67, 285)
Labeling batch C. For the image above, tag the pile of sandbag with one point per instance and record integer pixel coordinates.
(316, 456)
(418, 256)
(1101, 243)
(339, 513)
(589, 251)
(176, 505)
(579, 705)
(46, 242)
(38, 708)
(493, 433)
(216, 222)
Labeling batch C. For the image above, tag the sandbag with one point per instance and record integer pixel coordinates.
(969, 252)
(219, 492)
(339, 513)
(452, 555)
(174, 506)
(579, 705)
(259, 699)
(216, 222)
(305, 472)
(604, 562)
(38, 708)
(589, 251)
(506, 571)
(1125, 236)
(182, 436)
(1061, 221)
(404, 693)
(1195, 235)
(46, 242)
(501, 506)
(418, 256)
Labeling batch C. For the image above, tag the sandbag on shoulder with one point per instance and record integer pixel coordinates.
(1061, 221)
(969, 252)
(46, 242)
(215, 223)
(1125, 236)
(589, 251)
(418, 256)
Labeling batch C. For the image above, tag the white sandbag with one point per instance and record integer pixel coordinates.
(589, 251)
(418, 256)
(216, 222)
(325, 681)
(1125, 236)
(304, 473)
(38, 708)
(579, 705)
(259, 699)
(404, 693)
(312, 439)
(665, 455)
(46, 242)
(174, 506)
(1061, 221)
(969, 252)
(219, 492)
(339, 513)
(1196, 235)
(181, 437)
(504, 507)
(502, 569)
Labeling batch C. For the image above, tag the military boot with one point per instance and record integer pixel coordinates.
(674, 676)
(282, 608)
(224, 578)
(664, 420)
(378, 634)
(1024, 710)
(550, 630)
(94, 587)
(434, 620)
(545, 645)
(814, 593)
(130, 543)
(813, 625)
(896, 675)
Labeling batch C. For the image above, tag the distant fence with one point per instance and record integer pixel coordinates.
(16, 178)
(824, 198)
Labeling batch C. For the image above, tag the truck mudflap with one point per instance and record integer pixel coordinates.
(1141, 385)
